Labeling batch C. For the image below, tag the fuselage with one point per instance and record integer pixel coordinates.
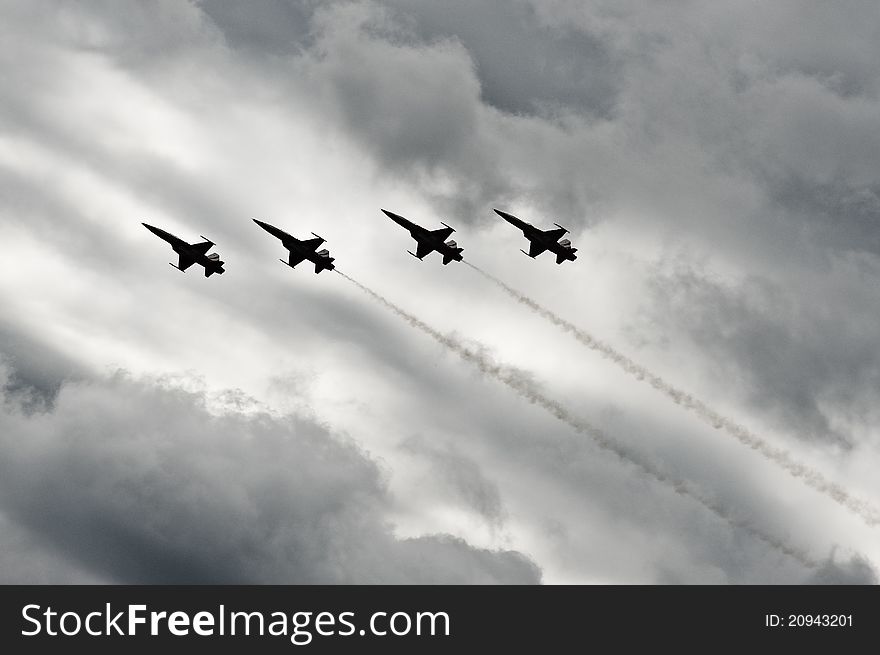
(181, 247)
(423, 235)
(290, 242)
(537, 235)
(176, 242)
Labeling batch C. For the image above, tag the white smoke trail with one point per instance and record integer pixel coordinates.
(782, 458)
(526, 389)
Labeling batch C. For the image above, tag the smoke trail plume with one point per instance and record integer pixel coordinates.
(782, 458)
(526, 389)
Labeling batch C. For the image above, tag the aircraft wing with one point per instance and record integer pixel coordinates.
(556, 233)
(185, 262)
(536, 248)
(312, 244)
(202, 247)
(443, 233)
(295, 258)
(423, 249)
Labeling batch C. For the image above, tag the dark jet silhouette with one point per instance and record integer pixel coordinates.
(541, 240)
(300, 250)
(430, 240)
(190, 253)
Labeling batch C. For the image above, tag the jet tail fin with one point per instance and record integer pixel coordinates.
(215, 267)
(325, 264)
(561, 257)
(455, 257)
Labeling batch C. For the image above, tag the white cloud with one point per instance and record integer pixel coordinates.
(697, 152)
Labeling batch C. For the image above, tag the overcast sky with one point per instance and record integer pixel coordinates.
(718, 164)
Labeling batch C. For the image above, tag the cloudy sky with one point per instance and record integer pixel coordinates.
(717, 163)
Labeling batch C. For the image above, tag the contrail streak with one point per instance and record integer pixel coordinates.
(526, 389)
(782, 458)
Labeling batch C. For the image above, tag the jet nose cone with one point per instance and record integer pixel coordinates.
(397, 218)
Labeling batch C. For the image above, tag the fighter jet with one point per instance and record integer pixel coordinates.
(430, 240)
(301, 249)
(541, 240)
(190, 253)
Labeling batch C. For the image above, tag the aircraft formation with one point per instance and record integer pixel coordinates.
(427, 241)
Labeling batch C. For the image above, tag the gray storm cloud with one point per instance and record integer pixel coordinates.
(136, 481)
(739, 140)
(525, 388)
(462, 475)
(797, 361)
